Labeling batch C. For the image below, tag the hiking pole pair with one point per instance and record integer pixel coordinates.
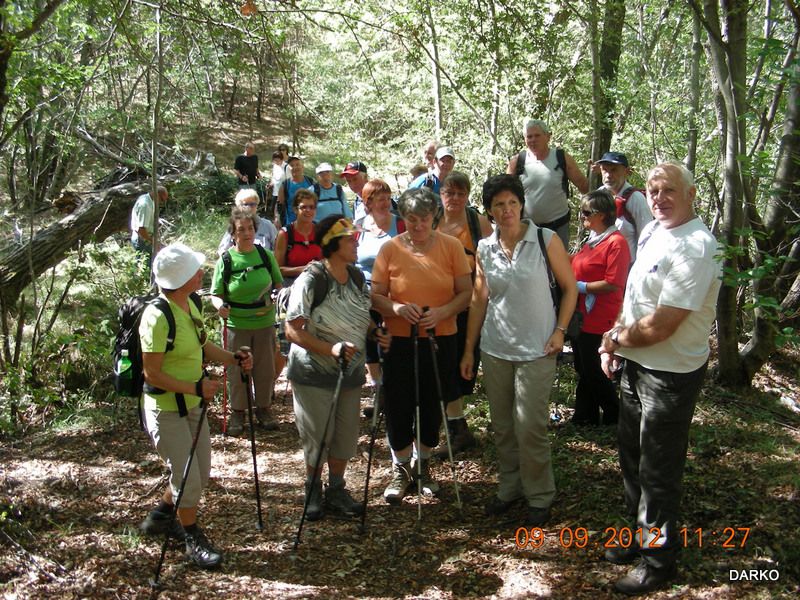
(225, 375)
(204, 404)
(376, 423)
(323, 443)
(248, 381)
(435, 353)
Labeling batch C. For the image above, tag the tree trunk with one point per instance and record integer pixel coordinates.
(694, 91)
(436, 77)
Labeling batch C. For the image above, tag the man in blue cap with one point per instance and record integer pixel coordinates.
(632, 210)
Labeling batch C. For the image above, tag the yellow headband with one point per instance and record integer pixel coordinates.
(341, 228)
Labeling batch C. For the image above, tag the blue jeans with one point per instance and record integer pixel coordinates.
(655, 414)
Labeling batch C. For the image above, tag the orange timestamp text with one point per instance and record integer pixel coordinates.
(728, 538)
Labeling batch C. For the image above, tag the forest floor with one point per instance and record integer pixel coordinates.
(70, 502)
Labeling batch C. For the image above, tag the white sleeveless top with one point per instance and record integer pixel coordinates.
(545, 200)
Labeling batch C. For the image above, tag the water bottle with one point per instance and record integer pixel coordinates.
(124, 365)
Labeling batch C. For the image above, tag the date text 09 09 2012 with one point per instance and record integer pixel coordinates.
(728, 538)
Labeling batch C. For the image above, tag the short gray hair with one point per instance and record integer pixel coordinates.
(418, 201)
(686, 175)
(531, 123)
(245, 194)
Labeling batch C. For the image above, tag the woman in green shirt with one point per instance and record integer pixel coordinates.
(172, 402)
(243, 279)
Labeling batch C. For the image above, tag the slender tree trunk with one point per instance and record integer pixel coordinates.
(436, 77)
(156, 133)
(694, 93)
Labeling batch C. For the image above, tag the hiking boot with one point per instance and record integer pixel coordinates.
(536, 516)
(200, 551)
(235, 423)
(496, 506)
(400, 484)
(265, 420)
(159, 523)
(461, 439)
(427, 482)
(645, 578)
(314, 501)
(339, 500)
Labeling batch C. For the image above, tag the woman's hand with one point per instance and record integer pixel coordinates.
(432, 317)
(384, 338)
(244, 358)
(555, 344)
(224, 310)
(210, 387)
(410, 312)
(467, 366)
(349, 348)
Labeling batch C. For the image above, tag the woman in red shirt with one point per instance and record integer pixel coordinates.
(601, 269)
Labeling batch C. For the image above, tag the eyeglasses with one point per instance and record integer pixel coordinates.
(250, 204)
(588, 213)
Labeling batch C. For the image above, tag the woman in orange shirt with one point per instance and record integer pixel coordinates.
(421, 278)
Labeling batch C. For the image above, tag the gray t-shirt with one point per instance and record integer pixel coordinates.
(342, 317)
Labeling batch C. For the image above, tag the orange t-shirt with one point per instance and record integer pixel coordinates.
(427, 280)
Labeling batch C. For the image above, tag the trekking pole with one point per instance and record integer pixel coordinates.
(154, 581)
(248, 381)
(415, 338)
(225, 375)
(435, 353)
(323, 442)
(376, 423)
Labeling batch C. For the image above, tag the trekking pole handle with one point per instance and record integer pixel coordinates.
(239, 355)
(432, 330)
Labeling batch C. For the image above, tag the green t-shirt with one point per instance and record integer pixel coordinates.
(183, 362)
(248, 287)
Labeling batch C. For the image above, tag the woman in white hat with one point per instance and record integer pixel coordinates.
(175, 388)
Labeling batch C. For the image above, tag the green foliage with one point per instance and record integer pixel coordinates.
(193, 192)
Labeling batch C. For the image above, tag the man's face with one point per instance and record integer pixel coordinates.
(356, 182)
(429, 154)
(614, 175)
(536, 139)
(325, 178)
(670, 199)
(445, 164)
(297, 169)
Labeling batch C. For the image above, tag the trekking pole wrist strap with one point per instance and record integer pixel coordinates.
(198, 387)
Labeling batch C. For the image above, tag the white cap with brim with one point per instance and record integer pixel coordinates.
(444, 151)
(176, 264)
(322, 167)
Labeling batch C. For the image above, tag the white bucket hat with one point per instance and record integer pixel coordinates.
(176, 264)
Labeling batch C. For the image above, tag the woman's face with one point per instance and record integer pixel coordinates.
(244, 233)
(419, 228)
(506, 209)
(306, 210)
(454, 199)
(536, 139)
(379, 203)
(348, 249)
(592, 220)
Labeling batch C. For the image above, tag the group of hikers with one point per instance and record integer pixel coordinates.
(416, 293)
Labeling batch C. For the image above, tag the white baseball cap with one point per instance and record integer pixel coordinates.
(176, 264)
(444, 151)
(322, 167)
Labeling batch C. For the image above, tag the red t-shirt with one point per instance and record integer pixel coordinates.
(303, 249)
(608, 261)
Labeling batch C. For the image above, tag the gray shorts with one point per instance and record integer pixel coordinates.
(312, 408)
(172, 436)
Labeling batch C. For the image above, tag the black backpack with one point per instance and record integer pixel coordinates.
(228, 271)
(130, 382)
(561, 163)
(339, 195)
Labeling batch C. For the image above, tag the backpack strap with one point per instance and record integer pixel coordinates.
(321, 279)
(474, 225)
(340, 196)
(289, 238)
(561, 163)
(520, 163)
(550, 277)
(227, 266)
(621, 201)
(317, 189)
